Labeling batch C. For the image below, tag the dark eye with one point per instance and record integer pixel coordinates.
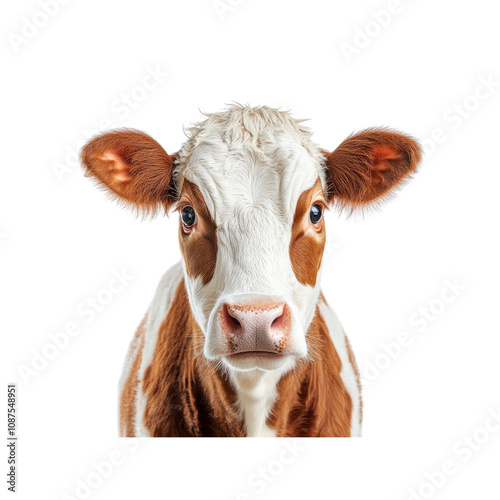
(188, 216)
(315, 214)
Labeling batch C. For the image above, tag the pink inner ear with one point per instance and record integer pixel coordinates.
(382, 154)
(118, 168)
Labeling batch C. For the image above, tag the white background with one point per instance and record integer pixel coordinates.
(61, 238)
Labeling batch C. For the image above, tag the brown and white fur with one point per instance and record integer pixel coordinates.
(239, 340)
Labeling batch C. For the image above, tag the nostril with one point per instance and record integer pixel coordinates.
(231, 322)
(281, 323)
(278, 322)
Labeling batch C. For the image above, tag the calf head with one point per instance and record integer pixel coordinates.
(251, 189)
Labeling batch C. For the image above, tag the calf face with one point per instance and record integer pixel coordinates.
(251, 189)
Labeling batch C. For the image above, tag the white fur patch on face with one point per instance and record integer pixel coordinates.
(251, 165)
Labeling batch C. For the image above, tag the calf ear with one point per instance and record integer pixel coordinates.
(133, 167)
(368, 165)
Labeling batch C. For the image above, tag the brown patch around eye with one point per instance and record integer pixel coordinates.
(307, 242)
(199, 245)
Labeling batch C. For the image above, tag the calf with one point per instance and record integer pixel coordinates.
(239, 340)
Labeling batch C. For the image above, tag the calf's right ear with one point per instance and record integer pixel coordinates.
(132, 166)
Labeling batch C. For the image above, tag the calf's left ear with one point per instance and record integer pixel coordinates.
(368, 165)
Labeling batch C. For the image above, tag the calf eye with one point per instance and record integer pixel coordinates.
(315, 214)
(188, 216)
